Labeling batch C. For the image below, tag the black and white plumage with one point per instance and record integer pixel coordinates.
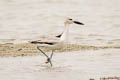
(55, 42)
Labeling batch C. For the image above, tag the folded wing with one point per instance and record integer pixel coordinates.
(46, 40)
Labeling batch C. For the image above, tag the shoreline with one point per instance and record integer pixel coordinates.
(28, 49)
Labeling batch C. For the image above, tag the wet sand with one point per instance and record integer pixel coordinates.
(28, 49)
(75, 65)
(73, 62)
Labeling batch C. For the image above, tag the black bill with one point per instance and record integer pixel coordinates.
(76, 22)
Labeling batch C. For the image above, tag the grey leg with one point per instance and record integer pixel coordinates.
(42, 51)
(51, 58)
(48, 58)
(49, 61)
(51, 54)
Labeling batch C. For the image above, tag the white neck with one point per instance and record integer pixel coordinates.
(64, 36)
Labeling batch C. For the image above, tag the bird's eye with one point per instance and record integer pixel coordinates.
(70, 19)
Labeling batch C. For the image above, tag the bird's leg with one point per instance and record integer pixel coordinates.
(42, 51)
(51, 54)
(48, 58)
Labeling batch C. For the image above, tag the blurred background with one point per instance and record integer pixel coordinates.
(25, 20)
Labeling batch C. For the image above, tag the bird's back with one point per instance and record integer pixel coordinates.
(46, 40)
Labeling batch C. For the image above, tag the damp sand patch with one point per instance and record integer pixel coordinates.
(28, 49)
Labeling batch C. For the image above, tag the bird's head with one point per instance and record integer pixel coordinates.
(71, 21)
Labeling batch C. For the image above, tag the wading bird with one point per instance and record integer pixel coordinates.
(56, 42)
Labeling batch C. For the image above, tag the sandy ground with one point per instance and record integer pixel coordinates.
(77, 65)
(27, 49)
(74, 62)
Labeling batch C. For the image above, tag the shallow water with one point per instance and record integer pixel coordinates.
(29, 19)
(81, 65)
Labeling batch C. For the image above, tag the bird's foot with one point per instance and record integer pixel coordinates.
(48, 60)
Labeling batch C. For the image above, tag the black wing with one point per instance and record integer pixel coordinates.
(59, 35)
